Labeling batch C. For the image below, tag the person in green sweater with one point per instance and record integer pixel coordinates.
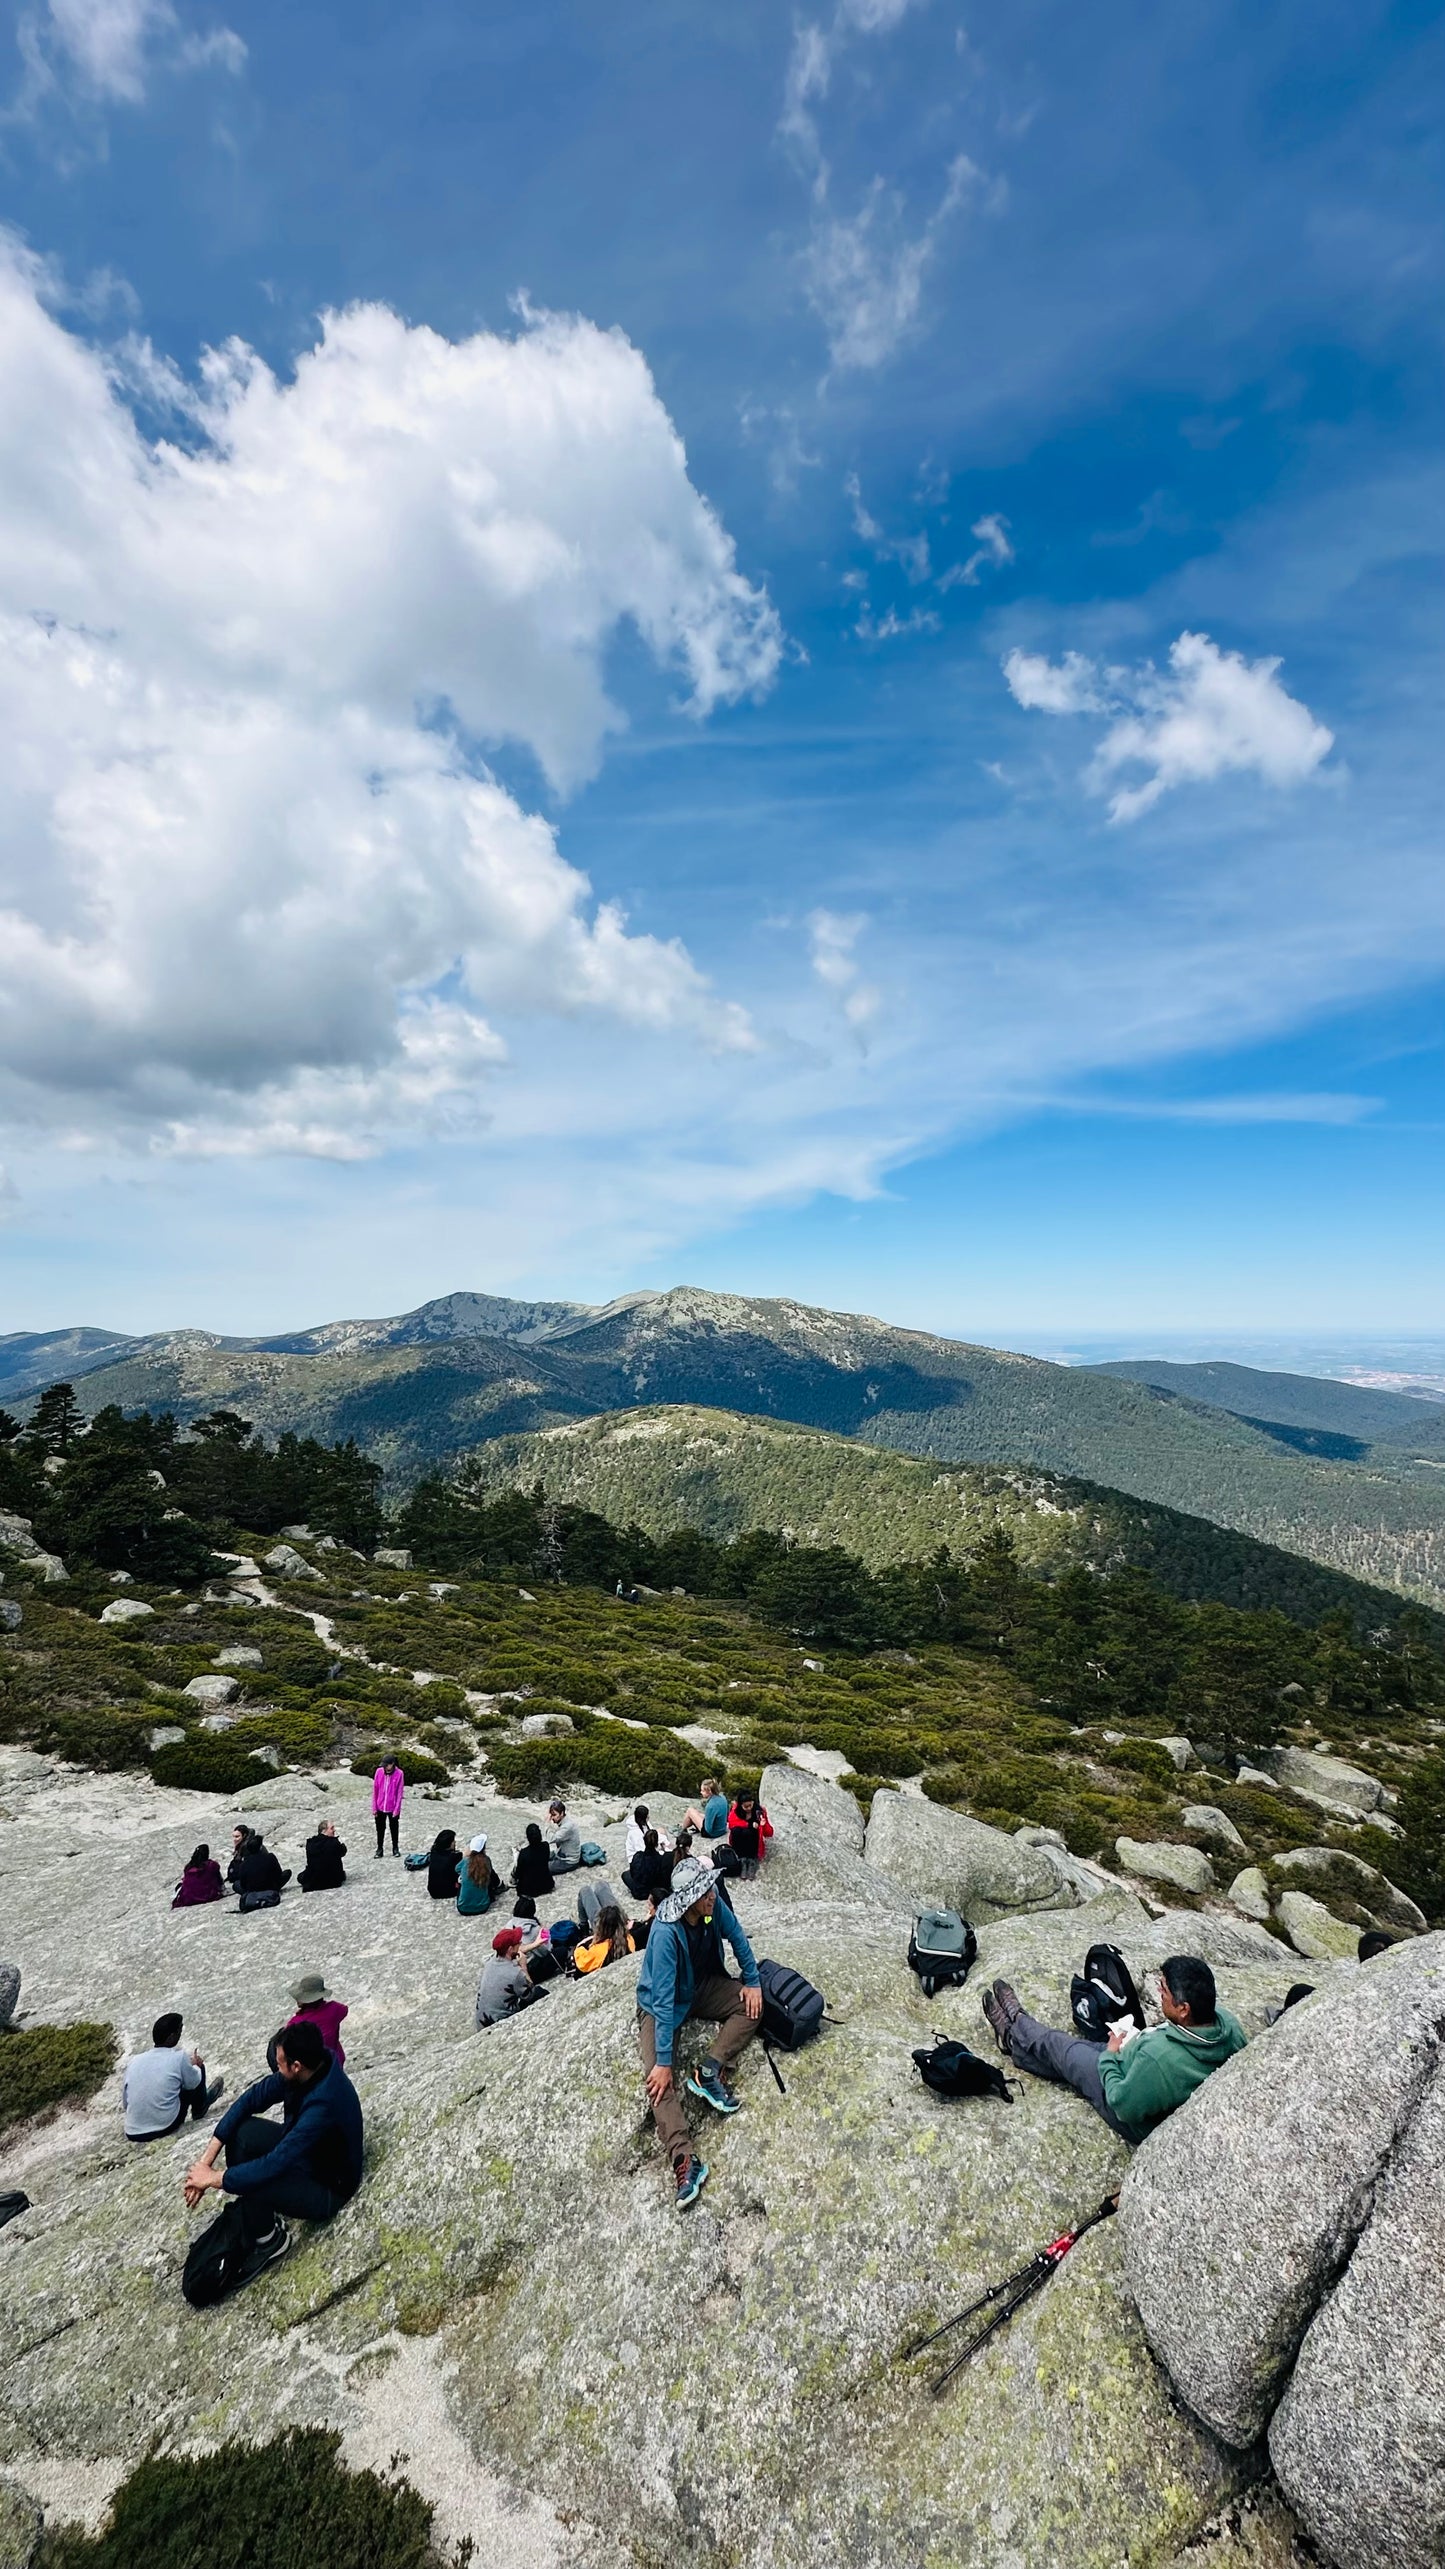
(1135, 2079)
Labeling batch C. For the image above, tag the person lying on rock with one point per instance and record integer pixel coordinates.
(324, 1869)
(532, 1872)
(307, 2165)
(1135, 2080)
(594, 1894)
(162, 2086)
(684, 1974)
(200, 1881)
(611, 1940)
(566, 1846)
(505, 1989)
(257, 1869)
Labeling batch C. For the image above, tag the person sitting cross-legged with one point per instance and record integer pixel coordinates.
(684, 1974)
(306, 2166)
(566, 1845)
(1135, 2080)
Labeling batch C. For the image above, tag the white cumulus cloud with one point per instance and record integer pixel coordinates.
(259, 887)
(1212, 713)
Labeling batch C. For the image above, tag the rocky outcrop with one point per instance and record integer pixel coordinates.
(288, 1563)
(1313, 1930)
(1240, 2214)
(1207, 1821)
(126, 1610)
(949, 1861)
(17, 1536)
(1184, 1868)
(1328, 1781)
(212, 1690)
(1358, 2440)
(1383, 1902)
(1249, 1892)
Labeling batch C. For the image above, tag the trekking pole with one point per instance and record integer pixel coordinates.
(994, 2308)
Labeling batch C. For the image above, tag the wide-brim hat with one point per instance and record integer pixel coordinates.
(310, 1989)
(690, 1880)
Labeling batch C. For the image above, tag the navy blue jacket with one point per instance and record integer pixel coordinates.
(665, 1985)
(322, 2134)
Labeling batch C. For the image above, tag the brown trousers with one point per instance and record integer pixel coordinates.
(720, 2000)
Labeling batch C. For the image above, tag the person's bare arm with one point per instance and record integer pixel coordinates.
(203, 2176)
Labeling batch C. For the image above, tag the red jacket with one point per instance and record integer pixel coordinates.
(748, 1838)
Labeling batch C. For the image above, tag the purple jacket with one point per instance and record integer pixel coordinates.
(387, 1790)
(199, 1882)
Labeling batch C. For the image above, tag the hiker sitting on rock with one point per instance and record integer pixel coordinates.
(443, 1865)
(315, 2005)
(650, 1872)
(162, 2086)
(1135, 2080)
(749, 1829)
(240, 1839)
(684, 1974)
(323, 1869)
(505, 1989)
(709, 1814)
(566, 1848)
(532, 1872)
(637, 1828)
(306, 2165)
(257, 1869)
(479, 1882)
(200, 1882)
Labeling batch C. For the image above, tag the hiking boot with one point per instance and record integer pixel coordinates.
(709, 2083)
(267, 2249)
(1002, 2012)
(691, 2178)
(217, 2088)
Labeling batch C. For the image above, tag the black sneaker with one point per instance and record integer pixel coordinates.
(266, 2250)
(217, 2088)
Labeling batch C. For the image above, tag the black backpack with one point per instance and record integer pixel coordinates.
(792, 2008)
(1102, 1993)
(216, 2262)
(562, 1935)
(942, 1950)
(951, 2069)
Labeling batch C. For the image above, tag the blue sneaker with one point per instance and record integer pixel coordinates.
(707, 2083)
(691, 2178)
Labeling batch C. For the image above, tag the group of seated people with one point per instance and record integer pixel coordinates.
(254, 1870)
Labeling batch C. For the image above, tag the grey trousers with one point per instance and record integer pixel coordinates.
(1047, 2052)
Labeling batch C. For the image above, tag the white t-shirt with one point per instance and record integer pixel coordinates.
(154, 2084)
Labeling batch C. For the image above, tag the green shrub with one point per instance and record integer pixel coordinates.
(103, 1739)
(303, 1738)
(1144, 1757)
(610, 1757)
(43, 2065)
(290, 2503)
(214, 1762)
(296, 1657)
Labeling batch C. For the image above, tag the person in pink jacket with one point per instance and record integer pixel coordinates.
(388, 1787)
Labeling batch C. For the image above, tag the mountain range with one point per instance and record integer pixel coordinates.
(1353, 1478)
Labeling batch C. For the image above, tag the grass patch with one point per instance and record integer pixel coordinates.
(214, 1763)
(290, 2504)
(45, 2065)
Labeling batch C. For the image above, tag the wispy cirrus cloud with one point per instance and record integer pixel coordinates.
(1211, 714)
(107, 51)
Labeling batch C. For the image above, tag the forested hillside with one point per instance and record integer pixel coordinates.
(411, 1398)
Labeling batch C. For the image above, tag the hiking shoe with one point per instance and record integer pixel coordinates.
(1001, 2012)
(266, 2250)
(691, 2178)
(708, 2083)
(217, 2088)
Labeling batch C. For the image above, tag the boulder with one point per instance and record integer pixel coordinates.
(817, 1851)
(217, 1722)
(12, 1614)
(1249, 1891)
(287, 1563)
(440, 1589)
(122, 1578)
(547, 1726)
(1179, 1751)
(239, 1654)
(16, 1536)
(1329, 1781)
(392, 1556)
(165, 1735)
(20, 2524)
(1238, 2214)
(1358, 2440)
(1208, 1821)
(126, 1610)
(1256, 1776)
(1375, 1892)
(296, 1534)
(1313, 1931)
(9, 1991)
(943, 1858)
(1184, 1868)
(212, 1690)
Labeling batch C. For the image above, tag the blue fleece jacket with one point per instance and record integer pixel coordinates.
(666, 1984)
(321, 2135)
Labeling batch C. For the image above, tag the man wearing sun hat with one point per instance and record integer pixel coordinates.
(684, 1973)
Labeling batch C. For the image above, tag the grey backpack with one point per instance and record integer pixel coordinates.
(941, 1950)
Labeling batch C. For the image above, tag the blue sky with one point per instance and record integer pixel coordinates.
(827, 684)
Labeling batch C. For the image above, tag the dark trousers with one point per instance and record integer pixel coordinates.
(382, 1819)
(1066, 2058)
(193, 2101)
(304, 2197)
